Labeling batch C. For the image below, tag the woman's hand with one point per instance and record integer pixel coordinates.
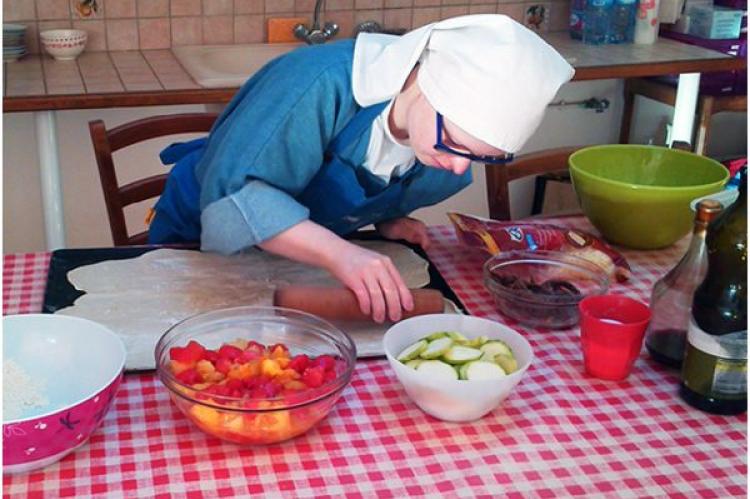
(406, 228)
(374, 280)
(372, 277)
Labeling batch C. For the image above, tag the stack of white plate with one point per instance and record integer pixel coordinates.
(14, 42)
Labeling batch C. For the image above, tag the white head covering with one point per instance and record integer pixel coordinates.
(488, 74)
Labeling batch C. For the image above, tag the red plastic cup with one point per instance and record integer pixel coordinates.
(612, 330)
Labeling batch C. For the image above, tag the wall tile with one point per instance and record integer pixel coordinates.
(397, 4)
(304, 6)
(52, 9)
(119, 9)
(483, 2)
(32, 38)
(154, 33)
(361, 16)
(397, 19)
(482, 9)
(279, 6)
(249, 29)
(453, 11)
(369, 4)
(122, 34)
(249, 6)
(424, 16)
(186, 31)
(218, 30)
(339, 5)
(97, 34)
(454, 2)
(185, 7)
(18, 10)
(345, 20)
(217, 7)
(514, 10)
(426, 3)
(153, 8)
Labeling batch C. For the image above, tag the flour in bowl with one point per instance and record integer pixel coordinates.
(20, 391)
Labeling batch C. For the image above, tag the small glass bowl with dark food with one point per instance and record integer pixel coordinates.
(542, 288)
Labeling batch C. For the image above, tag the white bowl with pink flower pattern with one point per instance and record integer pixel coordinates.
(73, 366)
(64, 44)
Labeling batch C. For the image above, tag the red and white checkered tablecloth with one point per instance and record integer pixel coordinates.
(559, 434)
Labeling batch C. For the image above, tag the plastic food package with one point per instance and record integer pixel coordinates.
(495, 236)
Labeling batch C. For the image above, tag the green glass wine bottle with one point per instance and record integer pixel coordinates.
(714, 370)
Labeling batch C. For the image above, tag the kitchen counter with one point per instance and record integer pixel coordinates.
(155, 77)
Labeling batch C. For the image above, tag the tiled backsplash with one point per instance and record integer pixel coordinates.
(156, 24)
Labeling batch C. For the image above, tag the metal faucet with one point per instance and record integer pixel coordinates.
(315, 35)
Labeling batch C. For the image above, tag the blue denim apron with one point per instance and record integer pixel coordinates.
(341, 197)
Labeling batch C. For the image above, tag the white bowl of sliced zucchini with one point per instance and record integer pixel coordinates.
(456, 367)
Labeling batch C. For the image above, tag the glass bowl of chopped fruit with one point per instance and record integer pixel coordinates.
(255, 375)
(542, 288)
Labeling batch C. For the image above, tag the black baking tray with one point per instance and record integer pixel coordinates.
(60, 293)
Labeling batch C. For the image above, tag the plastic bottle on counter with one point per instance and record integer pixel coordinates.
(672, 295)
(622, 27)
(596, 25)
(577, 18)
(714, 370)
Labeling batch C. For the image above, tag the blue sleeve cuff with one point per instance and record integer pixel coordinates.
(249, 216)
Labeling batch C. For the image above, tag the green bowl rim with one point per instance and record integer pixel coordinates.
(618, 183)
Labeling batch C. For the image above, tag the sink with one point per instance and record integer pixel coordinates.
(221, 66)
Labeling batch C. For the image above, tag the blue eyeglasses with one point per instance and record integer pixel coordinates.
(440, 146)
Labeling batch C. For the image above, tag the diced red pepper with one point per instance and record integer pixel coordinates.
(329, 376)
(235, 384)
(190, 377)
(230, 352)
(313, 376)
(256, 347)
(249, 356)
(211, 356)
(325, 361)
(223, 365)
(299, 363)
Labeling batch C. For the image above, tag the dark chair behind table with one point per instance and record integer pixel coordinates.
(547, 164)
(106, 142)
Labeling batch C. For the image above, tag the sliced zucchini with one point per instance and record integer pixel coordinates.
(414, 363)
(456, 336)
(483, 370)
(496, 347)
(412, 351)
(458, 354)
(476, 342)
(462, 370)
(435, 336)
(436, 348)
(508, 364)
(437, 369)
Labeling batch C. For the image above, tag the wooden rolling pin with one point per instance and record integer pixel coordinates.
(342, 304)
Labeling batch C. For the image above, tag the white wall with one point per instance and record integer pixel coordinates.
(85, 214)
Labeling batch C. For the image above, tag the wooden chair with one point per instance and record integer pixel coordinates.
(708, 105)
(551, 162)
(105, 142)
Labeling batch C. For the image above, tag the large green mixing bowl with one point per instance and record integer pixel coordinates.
(639, 196)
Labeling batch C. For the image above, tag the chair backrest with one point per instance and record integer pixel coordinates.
(535, 163)
(105, 142)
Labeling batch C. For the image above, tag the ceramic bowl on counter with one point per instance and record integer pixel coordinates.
(64, 44)
(542, 288)
(638, 195)
(455, 399)
(255, 375)
(60, 376)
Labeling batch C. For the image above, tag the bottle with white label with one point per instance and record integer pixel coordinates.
(714, 370)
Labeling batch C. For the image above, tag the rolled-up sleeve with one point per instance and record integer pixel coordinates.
(249, 216)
